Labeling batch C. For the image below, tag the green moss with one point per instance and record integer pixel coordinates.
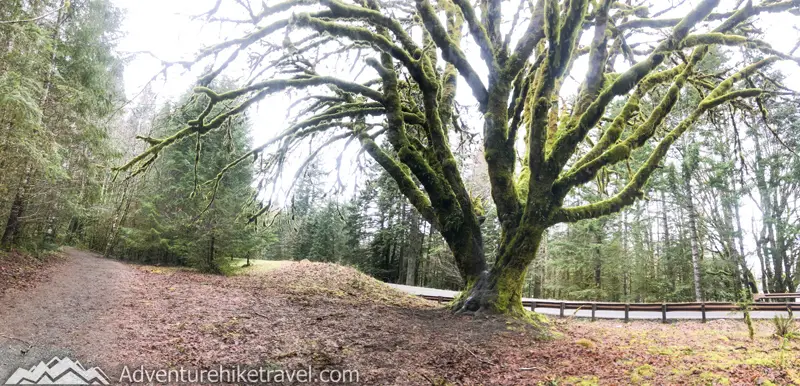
(586, 380)
(585, 343)
(642, 373)
(714, 378)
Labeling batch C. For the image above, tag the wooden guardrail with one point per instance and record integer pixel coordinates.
(663, 308)
(762, 297)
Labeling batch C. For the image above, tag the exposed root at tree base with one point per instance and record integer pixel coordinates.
(515, 315)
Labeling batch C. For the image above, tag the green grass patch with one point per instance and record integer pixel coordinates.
(256, 266)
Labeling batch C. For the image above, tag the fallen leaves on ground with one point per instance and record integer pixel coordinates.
(20, 270)
(333, 317)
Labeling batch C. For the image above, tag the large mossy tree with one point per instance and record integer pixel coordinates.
(514, 57)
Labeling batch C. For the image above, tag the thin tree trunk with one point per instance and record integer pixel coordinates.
(14, 222)
(598, 257)
(411, 258)
(694, 238)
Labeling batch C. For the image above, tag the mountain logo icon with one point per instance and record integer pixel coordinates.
(58, 372)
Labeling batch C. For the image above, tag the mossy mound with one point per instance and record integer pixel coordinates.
(328, 279)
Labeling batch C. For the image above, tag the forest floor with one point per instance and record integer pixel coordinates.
(19, 270)
(109, 314)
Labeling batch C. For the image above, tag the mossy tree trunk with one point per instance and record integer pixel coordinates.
(499, 290)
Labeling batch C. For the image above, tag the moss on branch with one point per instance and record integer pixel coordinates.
(450, 51)
(346, 11)
(576, 130)
(633, 189)
(358, 34)
(480, 35)
(750, 11)
(275, 85)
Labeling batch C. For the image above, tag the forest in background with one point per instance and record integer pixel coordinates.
(723, 208)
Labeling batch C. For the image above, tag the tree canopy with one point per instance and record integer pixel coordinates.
(402, 108)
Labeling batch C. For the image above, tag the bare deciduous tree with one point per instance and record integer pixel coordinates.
(409, 103)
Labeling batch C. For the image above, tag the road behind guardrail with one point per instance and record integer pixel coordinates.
(628, 311)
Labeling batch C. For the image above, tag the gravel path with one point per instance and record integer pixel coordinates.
(70, 314)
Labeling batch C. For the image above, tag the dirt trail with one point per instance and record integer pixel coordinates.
(69, 314)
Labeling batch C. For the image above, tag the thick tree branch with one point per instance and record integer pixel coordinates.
(664, 23)
(478, 33)
(275, 85)
(451, 53)
(404, 182)
(362, 34)
(574, 133)
(532, 36)
(632, 190)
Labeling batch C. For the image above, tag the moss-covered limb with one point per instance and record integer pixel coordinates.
(582, 173)
(449, 79)
(435, 168)
(568, 32)
(726, 85)
(560, 35)
(734, 40)
(492, 16)
(478, 32)
(665, 23)
(722, 39)
(573, 134)
(404, 182)
(501, 158)
(414, 119)
(633, 189)
(738, 94)
(362, 34)
(499, 140)
(520, 101)
(450, 194)
(434, 165)
(396, 133)
(414, 161)
(598, 54)
(276, 85)
(199, 127)
(613, 132)
(346, 11)
(534, 33)
(450, 52)
(622, 150)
